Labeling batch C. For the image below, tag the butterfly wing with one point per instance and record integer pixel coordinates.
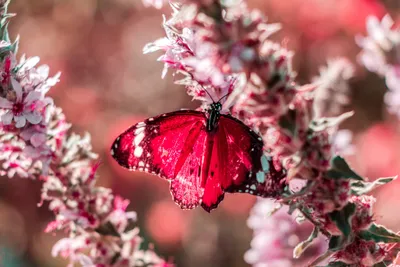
(267, 181)
(238, 164)
(200, 165)
(171, 146)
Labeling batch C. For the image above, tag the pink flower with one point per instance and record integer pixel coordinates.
(276, 235)
(341, 143)
(333, 91)
(154, 3)
(24, 107)
(382, 42)
(361, 252)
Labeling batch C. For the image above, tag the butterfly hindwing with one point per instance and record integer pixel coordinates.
(201, 165)
(250, 170)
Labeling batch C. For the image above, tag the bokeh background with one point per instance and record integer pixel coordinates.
(107, 84)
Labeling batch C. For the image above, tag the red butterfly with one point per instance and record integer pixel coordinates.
(202, 155)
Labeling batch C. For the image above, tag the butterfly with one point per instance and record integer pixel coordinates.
(202, 155)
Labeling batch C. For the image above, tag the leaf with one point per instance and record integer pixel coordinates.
(336, 264)
(336, 243)
(383, 264)
(107, 229)
(379, 233)
(325, 123)
(360, 187)
(341, 170)
(302, 246)
(288, 122)
(342, 218)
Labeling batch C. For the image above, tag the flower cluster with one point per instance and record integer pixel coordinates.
(380, 54)
(274, 228)
(223, 47)
(35, 143)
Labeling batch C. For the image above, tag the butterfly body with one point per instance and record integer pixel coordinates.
(202, 155)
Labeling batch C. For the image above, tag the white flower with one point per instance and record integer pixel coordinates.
(154, 3)
(341, 143)
(382, 40)
(25, 108)
(333, 90)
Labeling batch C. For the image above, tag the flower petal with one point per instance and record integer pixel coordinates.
(33, 117)
(4, 103)
(32, 96)
(63, 244)
(20, 121)
(38, 139)
(17, 88)
(7, 118)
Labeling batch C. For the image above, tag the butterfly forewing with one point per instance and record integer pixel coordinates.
(171, 146)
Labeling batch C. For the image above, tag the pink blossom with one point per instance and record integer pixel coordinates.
(35, 143)
(333, 91)
(23, 108)
(380, 50)
(154, 3)
(276, 235)
(382, 41)
(341, 143)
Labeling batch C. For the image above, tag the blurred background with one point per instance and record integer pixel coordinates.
(107, 84)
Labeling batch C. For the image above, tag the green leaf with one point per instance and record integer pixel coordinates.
(302, 246)
(325, 123)
(382, 264)
(342, 218)
(379, 233)
(336, 264)
(341, 170)
(337, 242)
(361, 188)
(107, 229)
(288, 122)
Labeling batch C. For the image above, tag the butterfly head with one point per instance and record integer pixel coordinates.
(215, 107)
(213, 116)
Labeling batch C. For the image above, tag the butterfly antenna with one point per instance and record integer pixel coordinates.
(231, 86)
(207, 93)
(223, 97)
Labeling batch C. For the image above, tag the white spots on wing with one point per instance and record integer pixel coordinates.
(141, 164)
(148, 154)
(112, 152)
(247, 190)
(260, 176)
(138, 138)
(265, 163)
(138, 152)
(116, 145)
(140, 124)
(150, 119)
(139, 130)
(163, 115)
(253, 187)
